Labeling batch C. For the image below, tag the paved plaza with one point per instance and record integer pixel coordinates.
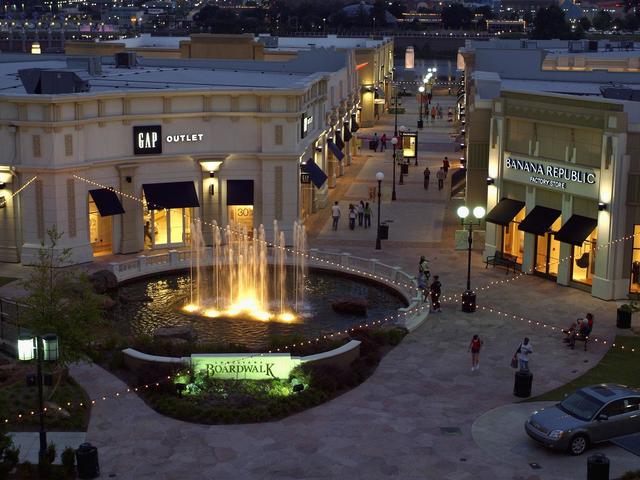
(423, 414)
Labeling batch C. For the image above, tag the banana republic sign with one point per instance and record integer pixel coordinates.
(567, 177)
(245, 366)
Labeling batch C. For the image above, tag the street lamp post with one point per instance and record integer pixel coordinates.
(469, 297)
(421, 97)
(394, 142)
(42, 348)
(379, 177)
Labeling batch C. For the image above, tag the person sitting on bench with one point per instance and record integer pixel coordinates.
(583, 331)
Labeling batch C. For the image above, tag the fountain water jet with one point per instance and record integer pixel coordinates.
(238, 283)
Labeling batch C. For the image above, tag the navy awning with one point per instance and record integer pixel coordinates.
(170, 195)
(335, 150)
(576, 230)
(318, 177)
(354, 124)
(107, 202)
(347, 132)
(338, 141)
(504, 211)
(239, 192)
(539, 220)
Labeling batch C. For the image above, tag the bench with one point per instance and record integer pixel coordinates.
(501, 259)
(580, 338)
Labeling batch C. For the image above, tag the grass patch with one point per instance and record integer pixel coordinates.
(5, 280)
(617, 366)
(17, 398)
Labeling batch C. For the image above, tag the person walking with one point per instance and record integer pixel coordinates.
(440, 176)
(433, 114)
(436, 291)
(423, 267)
(360, 213)
(383, 142)
(427, 174)
(474, 348)
(367, 215)
(375, 142)
(524, 350)
(335, 214)
(439, 111)
(445, 166)
(352, 217)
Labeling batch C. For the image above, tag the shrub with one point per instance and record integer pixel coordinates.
(68, 458)
(631, 475)
(51, 452)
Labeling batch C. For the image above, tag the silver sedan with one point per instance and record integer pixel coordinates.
(590, 415)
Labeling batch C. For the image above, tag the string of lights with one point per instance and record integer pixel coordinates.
(3, 201)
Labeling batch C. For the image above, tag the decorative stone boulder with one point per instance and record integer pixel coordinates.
(350, 306)
(184, 332)
(103, 281)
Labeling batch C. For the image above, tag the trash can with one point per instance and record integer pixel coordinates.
(522, 384)
(598, 467)
(384, 231)
(420, 124)
(623, 318)
(372, 145)
(404, 168)
(87, 461)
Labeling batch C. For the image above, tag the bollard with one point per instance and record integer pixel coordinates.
(598, 467)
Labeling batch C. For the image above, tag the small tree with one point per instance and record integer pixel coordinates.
(602, 21)
(9, 455)
(61, 300)
(550, 23)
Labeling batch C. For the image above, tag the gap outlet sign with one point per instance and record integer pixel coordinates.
(147, 140)
(567, 177)
(245, 366)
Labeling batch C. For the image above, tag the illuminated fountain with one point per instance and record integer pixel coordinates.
(240, 282)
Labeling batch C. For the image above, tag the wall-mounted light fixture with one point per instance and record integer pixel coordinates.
(128, 179)
(3, 201)
(318, 149)
(2, 185)
(490, 181)
(212, 174)
(602, 206)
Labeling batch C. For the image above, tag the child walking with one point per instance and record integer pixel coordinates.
(474, 348)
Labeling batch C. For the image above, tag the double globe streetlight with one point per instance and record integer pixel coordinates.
(379, 178)
(42, 348)
(469, 297)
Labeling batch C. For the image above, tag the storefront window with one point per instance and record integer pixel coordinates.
(241, 215)
(99, 230)
(584, 260)
(635, 261)
(548, 251)
(166, 227)
(513, 238)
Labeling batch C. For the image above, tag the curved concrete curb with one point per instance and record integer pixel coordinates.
(500, 433)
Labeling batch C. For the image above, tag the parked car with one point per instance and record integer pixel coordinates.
(590, 415)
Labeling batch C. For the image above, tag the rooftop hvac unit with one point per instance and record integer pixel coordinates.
(51, 82)
(125, 59)
(92, 65)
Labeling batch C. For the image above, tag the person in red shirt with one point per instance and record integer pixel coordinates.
(474, 348)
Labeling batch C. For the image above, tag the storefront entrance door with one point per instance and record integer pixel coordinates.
(547, 255)
(166, 228)
(99, 231)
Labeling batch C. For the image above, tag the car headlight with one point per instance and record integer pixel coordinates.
(556, 434)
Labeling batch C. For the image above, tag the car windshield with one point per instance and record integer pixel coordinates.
(581, 405)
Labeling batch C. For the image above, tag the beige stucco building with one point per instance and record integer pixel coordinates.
(177, 141)
(554, 155)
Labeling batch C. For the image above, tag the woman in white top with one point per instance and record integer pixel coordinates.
(523, 354)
